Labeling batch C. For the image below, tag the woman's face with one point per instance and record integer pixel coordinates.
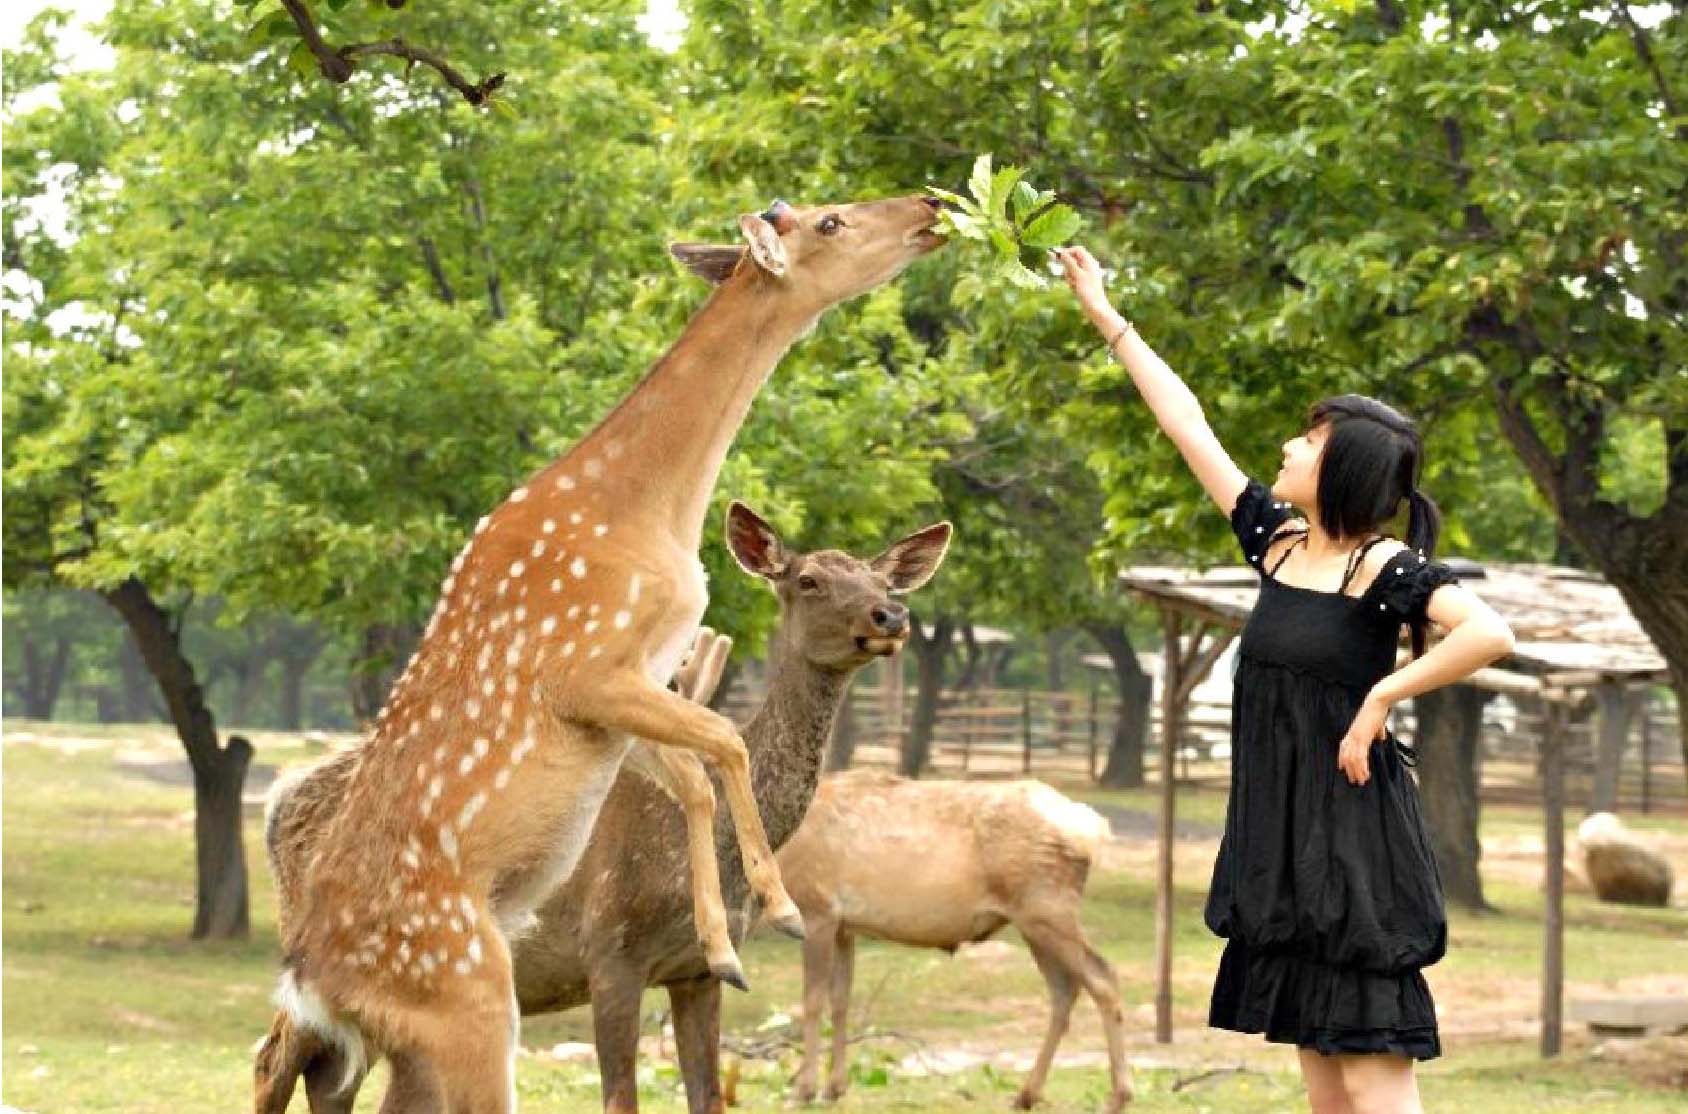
(1298, 479)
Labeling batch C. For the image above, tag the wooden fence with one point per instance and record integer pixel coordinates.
(1064, 737)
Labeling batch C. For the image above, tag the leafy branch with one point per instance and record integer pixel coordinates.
(1021, 222)
(338, 64)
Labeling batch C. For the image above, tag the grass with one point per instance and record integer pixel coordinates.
(107, 1005)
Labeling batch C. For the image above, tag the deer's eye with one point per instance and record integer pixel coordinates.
(808, 583)
(829, 224)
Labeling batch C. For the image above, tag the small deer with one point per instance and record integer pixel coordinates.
(620, 924)
(551, 647)
(938, 864)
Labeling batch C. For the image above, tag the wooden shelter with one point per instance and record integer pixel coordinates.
(1576, 641)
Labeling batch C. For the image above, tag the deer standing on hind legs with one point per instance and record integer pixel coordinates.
(555, 634)
(619, 925)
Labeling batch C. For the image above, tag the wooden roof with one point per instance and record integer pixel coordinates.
(1565, 620)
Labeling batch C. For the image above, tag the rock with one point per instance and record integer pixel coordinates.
(1621, 868)
(570, 1052)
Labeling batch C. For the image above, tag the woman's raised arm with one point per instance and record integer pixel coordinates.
(1174, 405)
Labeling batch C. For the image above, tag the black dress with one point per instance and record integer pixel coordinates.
(1327, 892)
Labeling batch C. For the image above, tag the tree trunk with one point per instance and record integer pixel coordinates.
(841, 750)
(297, 646)
(139, 704)
(1124, 768)
(929, 654)
(1450, 722)
(219, 772)
(43, 676)
(1645, 557)
(1617, 707)
(385, 645)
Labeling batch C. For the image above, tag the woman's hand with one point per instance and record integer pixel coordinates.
(1370, 724)
(1084, 275)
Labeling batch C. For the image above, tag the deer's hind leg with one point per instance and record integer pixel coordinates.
(630, 703)
(683, 776)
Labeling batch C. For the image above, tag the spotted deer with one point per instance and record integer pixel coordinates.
(555, 635)
(619, 925)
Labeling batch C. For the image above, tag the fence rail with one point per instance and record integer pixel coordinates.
(1065, 736)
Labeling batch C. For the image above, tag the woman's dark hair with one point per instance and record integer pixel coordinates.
(1372, 459)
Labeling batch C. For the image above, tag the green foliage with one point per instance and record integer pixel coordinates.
(1010, 215)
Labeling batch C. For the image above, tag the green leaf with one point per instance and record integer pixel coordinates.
(302, 62)
(1025, 200)
(1002, 184)
(276, 25)
(980, 182)
(504, 108)
(1053, 228)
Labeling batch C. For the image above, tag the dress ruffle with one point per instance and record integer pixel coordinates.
(1333, 1010)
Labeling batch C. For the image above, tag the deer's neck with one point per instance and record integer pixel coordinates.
(787, 738)
(663, 446)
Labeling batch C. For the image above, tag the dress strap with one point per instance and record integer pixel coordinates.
(1301, 536)
(1356, 558)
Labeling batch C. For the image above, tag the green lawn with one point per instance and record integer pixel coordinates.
(107, 1006)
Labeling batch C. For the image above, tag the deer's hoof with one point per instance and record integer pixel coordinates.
(729, 972)
(833, 1092)
(1026, 1101)
(790, 923)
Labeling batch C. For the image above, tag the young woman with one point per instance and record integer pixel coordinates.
(1325, 888)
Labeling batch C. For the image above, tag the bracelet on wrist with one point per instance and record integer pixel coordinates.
(1123, 329)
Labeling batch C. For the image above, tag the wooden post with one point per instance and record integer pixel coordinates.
(1092, 760)
(1646, 750)
(1553, 924)
(1025, 731)
(1171, 681)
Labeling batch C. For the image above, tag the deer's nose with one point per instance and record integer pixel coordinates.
(890, 617)
(932, 202)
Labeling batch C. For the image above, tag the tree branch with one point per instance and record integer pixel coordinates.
(1644, 51)
(338, 64)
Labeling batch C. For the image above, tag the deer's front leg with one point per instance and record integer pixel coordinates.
(683, 776)
(631, 703)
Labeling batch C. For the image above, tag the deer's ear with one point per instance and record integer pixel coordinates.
(755, 545)
(911, 562)
(712, 262)
(764, 241)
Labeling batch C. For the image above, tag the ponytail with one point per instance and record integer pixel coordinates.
(1424, 527)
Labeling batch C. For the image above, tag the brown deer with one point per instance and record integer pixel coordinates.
(938, 864)
(556, 632)
(620, 924)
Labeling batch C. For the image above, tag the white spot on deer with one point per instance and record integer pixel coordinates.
(427, 962)
(468, 908)
(502, 778)
(484, 658)
(513, 654)
(510, 683)
(480, 527)
(471, 808)
(461, 966)
(578, 568)
(435, 712)
(503, 586)
(568, 649)
(549, 526)
(465, 764)
(346, 917)
(548, 624)
(576, 518)
(516, 569)
(488, 688)
(556, 585)
(457, 561)
(591, 625)
(518, 495)
(633, 589)
(596, 650)
(622, 618)
(565, 482)
(573, 611)
(481, 747)
(593, 468)
(520, 751)
(472, 707)
(600, 530)
(475, 949)
(448, 844)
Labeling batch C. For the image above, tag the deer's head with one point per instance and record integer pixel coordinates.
(827, 253)
(837, 610)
